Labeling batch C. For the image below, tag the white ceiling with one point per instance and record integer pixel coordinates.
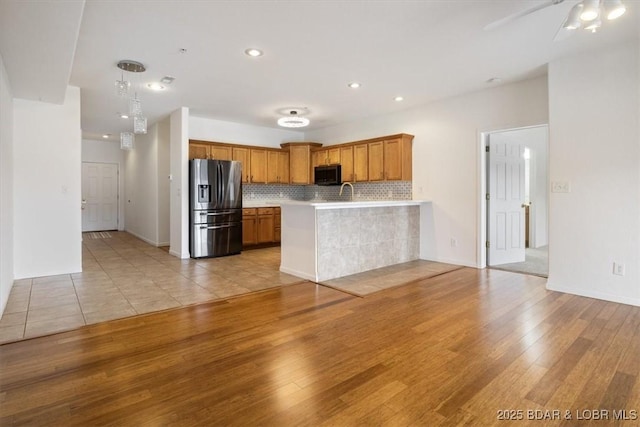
(422, 50)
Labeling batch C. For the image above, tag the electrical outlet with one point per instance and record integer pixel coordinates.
(454, 242)
(561, 187)
(618, 269)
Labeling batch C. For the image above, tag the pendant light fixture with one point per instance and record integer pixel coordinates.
(135, 106)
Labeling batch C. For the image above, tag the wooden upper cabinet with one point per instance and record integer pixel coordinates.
(300, 164)
(242, 155)
(283, 167)
(277, 167)
(301, 160)
(199, 151)
(393, 160)
(258, 164)
(220, 152)
(319, 158)
(346, 161)
(360, 162)
(398, 158)
(272, 167)
(333, 156)
(376, 161)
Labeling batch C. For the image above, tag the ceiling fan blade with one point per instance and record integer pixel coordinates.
(563, 33)
(518, 15)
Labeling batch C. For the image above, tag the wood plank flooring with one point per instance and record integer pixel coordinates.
(455, 349)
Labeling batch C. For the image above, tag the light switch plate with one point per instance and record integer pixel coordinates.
(561, 187)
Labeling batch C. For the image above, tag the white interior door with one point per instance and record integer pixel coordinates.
(506, 199)
(99, 196)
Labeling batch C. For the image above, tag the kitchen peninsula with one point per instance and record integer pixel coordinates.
(327, 240)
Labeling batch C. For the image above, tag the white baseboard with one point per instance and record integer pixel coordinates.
(298, 274)
(185, 255)
(151, 242)
(593, 294)
(451, 261)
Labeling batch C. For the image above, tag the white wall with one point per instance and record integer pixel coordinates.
(46, 185)
(141, 187)
(164, 140)
(179, 186)
(594, 112)
(539, 184)
(220, 131)
(446, 156)
(107, 152)
(6, 188)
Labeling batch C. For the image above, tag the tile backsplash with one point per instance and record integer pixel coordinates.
(389, 190)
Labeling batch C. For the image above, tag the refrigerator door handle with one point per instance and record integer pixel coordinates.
(215, 213)
(216, 227)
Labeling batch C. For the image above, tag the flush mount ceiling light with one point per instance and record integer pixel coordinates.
(155, 86)
(293, 120)
(167, 80)
(253, 52)
(354, 85)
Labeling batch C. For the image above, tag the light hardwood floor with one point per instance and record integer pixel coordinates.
(454, 349)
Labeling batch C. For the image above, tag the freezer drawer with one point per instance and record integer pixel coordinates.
(212, 240)
(220, 216)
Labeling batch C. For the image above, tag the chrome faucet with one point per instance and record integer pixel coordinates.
(342, 188)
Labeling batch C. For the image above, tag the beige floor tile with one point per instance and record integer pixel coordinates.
(60, 324)
(149, 305)
(46, 301)
(230, 291)
(11, 333)
(52, 313)
(104, 304)
(52, 279)
(13, 319)
(109, 314)
(17, 304)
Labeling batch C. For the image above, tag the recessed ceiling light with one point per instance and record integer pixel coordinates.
(398, 98)
(123, 115)
(155, 86)
(253, 52)
(167, 80)
(106, 135)
(354, 85)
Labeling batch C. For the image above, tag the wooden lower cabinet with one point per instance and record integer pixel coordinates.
(265, 225)
(277, 220)
(260, 226)
(249, 227)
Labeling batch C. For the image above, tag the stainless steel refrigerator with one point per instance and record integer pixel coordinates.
(215, 199)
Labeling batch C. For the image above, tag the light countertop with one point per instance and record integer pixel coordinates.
(352, 204)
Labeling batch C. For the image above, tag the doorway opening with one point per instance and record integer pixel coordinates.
(515, 208)
(99, 196)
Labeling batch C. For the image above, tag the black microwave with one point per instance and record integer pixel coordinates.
(328, 175)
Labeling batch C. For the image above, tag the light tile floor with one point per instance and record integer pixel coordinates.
(376, 280)
(124, 276)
